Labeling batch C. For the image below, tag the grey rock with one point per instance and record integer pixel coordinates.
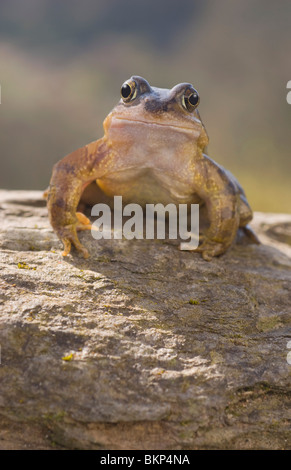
(142, 346)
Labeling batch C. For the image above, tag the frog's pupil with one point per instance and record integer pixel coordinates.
(125, 91)
(193, 99)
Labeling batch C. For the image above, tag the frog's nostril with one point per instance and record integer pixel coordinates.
(155, 105)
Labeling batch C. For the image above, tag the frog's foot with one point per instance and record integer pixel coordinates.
(68, 241)
(71, 237)
(210, 248)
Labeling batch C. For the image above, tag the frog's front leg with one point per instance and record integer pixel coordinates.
(69, 178)
(221, 197)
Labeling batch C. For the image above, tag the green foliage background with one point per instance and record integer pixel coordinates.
(62, 64)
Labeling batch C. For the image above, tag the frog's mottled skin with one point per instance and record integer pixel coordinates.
(152, 151)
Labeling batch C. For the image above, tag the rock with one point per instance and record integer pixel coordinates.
(142, 346)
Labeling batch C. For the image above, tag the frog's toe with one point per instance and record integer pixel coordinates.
(67, 246)
(83, 222)
(206, 251)
(82, 250)
(69, 237)
(77, 244)
(207, 255)
(209, 249)
(79, 247)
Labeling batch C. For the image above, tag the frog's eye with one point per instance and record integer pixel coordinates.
(128, 91)
(190, 100)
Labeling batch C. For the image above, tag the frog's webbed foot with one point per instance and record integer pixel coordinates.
(68, 235)
(210, 248)
(71, 237)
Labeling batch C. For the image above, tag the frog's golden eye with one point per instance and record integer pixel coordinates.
(190, 100)
(193, 99)
(128, 91)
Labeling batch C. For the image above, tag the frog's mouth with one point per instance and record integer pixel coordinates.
(168, 125)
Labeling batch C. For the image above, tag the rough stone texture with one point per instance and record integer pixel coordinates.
(142, 346)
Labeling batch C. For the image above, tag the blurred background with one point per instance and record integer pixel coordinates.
(62, 64)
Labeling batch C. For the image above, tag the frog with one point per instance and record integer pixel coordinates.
(153, 151)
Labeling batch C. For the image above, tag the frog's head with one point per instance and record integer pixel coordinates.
(142, 105)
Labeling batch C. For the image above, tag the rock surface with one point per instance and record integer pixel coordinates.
(142, 346)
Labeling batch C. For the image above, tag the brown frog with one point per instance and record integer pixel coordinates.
(152, 151)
